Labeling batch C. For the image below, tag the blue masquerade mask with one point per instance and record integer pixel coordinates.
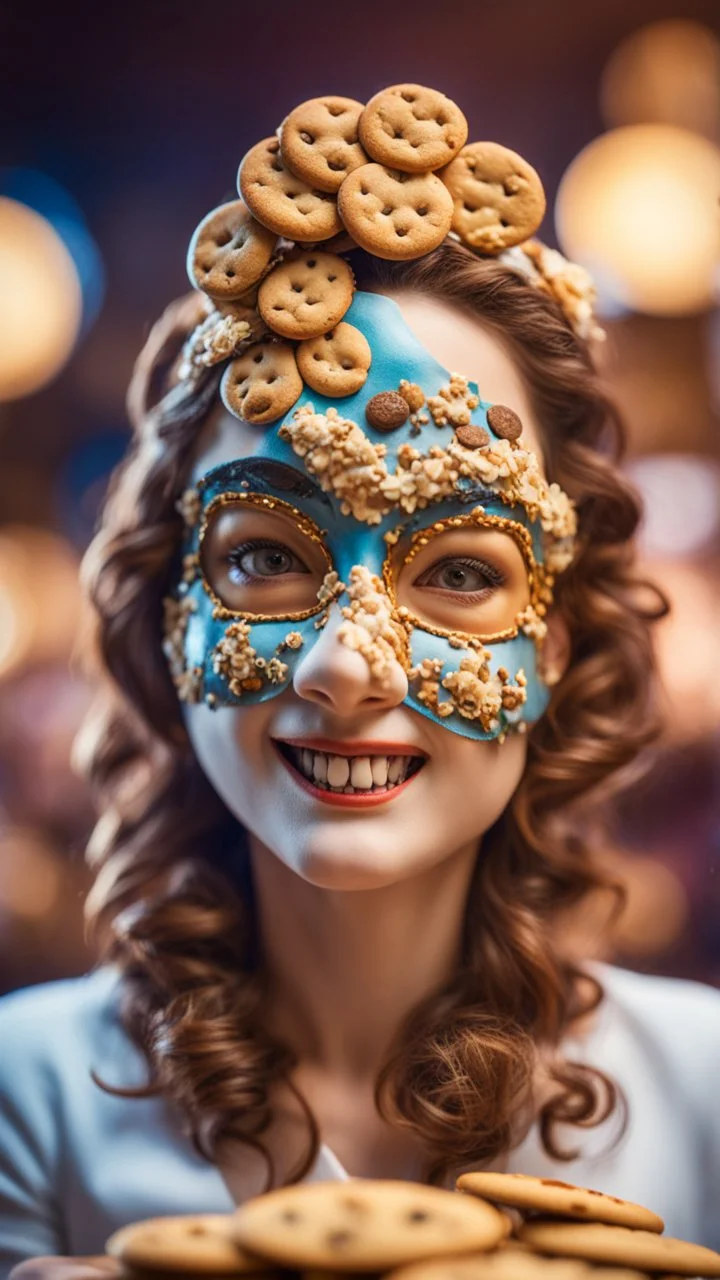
(391, 527)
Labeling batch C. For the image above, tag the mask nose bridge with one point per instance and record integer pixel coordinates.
(358, 546)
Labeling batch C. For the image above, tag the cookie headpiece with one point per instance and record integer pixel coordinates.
(385, 474)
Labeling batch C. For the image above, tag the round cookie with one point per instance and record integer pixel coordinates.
(387, 411)
(547, 1195)
(306, 295)
(364, 1224)
(621, 1245)
(393, 214)
(336, 363)
(510, 1263)
(412, 128)
(229, 251)
(472, 437)
(262, 383)
(198, 1243)
(285, 204)
(498, 197)
(319, 141)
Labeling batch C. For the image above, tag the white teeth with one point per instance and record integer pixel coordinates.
(396, 768)
(351, 774)
(338, 773)
(379, 770)
(361, 773)
(319, 768)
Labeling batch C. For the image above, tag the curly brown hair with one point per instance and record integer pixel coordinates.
(172, 900)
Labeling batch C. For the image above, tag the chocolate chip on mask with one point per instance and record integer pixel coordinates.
(473, 437)
(387, 411)
(504, 422)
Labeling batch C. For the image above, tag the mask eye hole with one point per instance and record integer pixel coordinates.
(471, 579)
(260, 561)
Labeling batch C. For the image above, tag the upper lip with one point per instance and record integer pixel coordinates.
(361, 747)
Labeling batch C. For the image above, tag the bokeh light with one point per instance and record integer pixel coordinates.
(39, 597)
(40, 300)
(665, 73)
(656, 907)
(687, 645)
(30, 874)
(639, 208)
(681, 501)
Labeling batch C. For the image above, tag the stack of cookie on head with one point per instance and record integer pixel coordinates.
(394, 177)
(494, 1227)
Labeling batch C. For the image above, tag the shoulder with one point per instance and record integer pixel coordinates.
(672, 1022)
(42, 1026)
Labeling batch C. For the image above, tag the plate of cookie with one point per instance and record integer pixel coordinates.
(493, 1226)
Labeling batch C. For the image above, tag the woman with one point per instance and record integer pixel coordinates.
(331, 914)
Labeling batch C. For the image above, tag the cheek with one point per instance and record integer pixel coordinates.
(233, 749)
(478, 779)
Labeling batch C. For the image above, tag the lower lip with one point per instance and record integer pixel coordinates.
(339, 800)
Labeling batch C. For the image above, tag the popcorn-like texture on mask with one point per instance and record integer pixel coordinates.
(347, 464)
(372, 628)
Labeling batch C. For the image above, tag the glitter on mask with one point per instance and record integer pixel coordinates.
(371, 627)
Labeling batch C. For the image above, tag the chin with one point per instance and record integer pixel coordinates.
(339, 860)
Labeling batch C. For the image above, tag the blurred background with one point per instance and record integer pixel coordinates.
(121, 125)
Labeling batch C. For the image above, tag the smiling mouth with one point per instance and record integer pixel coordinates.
(349, 775)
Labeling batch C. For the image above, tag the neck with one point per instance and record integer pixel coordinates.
(345, 967)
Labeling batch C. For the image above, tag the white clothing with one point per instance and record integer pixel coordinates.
(77, 1163)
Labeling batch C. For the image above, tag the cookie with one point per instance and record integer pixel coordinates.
(472, 437)
(510, 1263)
(261, 384)
(285, 204)
(504, 422)
(229, 251)
(198, 1243)
(387, 411)
(642, 1249)
(336, 363)
(393, 214)
(306, 295)
(498, 197)
(364, 1224)
(319, 141)
(412, 128)
(547, 1195)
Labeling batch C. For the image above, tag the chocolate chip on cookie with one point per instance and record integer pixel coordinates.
(387, 411)
(319, 141)
(198, 1243)
(336, 363)
(229, 251)
(472, 437)
(393, 214)
(498, 197)
(412, 128)
(262, 384)
(286, 204)
(364, 1225)
(306, 295)
(504, 422)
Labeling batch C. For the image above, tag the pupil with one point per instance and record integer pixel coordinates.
(456, 576)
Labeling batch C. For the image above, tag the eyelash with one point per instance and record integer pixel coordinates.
(498, 579)
(495, 575)
(234, 556)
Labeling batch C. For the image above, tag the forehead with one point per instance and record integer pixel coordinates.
(457, 340)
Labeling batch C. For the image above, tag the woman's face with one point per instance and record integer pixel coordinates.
(351, 722)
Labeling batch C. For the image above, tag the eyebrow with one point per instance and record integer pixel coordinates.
(265, 473)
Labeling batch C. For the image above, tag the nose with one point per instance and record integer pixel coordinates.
(340, 679)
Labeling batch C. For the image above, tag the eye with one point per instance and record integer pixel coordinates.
(465, 574)
(262, 558)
